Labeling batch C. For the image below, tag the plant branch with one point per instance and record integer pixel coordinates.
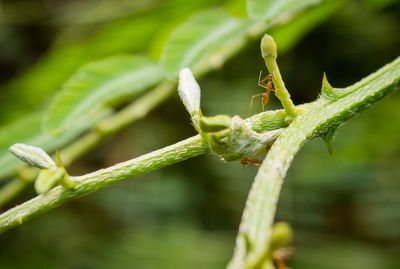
(150, 100)
(85, 184)
(320, 117)
(315, 119)
(91, 182)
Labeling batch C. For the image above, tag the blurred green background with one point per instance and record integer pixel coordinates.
(345, 209)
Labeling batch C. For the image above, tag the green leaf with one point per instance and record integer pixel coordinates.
(96, 85)
(271, 9)
(201, 36)
(289, 34)
(20, 131)
(144, 31)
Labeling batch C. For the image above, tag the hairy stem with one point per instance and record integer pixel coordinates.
(188, 148)
(136, 110)
(322, 116)
(91, 182)
(270, 53)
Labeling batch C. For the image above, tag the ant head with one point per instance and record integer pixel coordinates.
(269, 77)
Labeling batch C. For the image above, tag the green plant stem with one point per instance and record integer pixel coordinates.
(135, 111)
(188, 148)
(270, 53)
(280, 90)
(315, 119)
(43, 202)
(319, 118)
(91, 182)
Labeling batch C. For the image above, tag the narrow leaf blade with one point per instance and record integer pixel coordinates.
(271, 9)
(96, 85)
(201, 36)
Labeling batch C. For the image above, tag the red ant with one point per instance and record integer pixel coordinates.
(253, 162)
(250, 162)
(268, 86)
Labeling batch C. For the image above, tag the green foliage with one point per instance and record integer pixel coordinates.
(271, 9)
(96, 85)
(203, 41)
(352, 194)
(144, 31)
(287, 35)
(200, 37)
(24, 130)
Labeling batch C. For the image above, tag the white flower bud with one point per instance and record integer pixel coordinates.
(32, 155)
(189, 91)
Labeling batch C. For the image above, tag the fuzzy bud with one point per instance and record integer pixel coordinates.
(32, 155)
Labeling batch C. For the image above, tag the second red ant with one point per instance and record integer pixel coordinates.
(250, 162)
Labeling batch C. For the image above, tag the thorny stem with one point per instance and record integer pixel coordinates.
(78, 148)
(180, 151)
(317, 117)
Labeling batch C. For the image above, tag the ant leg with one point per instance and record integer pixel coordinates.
(262, 103)
(251, 102)
(261, 82)
(267, 85)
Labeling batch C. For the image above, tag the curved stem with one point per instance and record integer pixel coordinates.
(136, 110)
(316, 118)
(255, 229)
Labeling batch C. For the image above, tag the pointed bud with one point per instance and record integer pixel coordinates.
(189, 91)
(32, 155)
